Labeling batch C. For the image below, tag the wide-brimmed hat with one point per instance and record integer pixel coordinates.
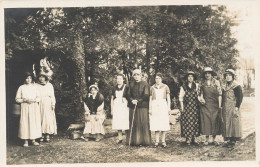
(137, 71)
(94, 86)
(190, 73)
(44, 75)
(208, 69)
(230, 71)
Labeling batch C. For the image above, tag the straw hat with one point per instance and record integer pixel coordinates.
(190, 73)
(229, 71)
(208, 69)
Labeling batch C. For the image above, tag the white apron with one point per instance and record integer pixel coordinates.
(120, 112)
(159, 120)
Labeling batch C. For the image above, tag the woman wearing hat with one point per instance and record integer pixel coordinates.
(138, 93)
(210, 98)
(30, 120)
(119, 107)
(188, 97)
(47, 107)
(94, 114)
(159, 107)
(232, 99)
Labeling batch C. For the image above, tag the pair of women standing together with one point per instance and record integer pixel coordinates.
(202, 109)
(37, 109)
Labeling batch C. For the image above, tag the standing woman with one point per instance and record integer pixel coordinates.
(210, 98)
(47, 107)
(138, 93)
(159, 107)
(119, 107)
(232, 99)
(190, 123)
(94, 114)
(30, 120)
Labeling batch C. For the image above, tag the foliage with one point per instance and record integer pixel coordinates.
(88, 45)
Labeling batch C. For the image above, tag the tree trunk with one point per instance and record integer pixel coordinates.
(78, 69)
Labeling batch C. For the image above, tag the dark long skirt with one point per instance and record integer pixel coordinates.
(141, 134)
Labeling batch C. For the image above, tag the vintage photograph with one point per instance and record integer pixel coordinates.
(130, 84)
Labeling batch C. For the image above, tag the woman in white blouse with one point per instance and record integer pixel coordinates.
(190, 124)
(30, 120)
(47, 107)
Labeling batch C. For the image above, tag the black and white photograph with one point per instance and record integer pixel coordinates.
(130, 83)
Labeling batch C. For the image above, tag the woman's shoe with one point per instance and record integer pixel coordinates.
(47, 140)
(97, 139)
(25, 145)
(164, 145)
(206, 143)
(156, 144)
(35, 143)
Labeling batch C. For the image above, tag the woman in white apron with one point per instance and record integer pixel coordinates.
(119, 107)
(159, 108)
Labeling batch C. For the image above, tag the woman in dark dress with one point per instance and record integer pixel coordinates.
(138, 94)
(190, 123)
(210, 98)
(232, 99)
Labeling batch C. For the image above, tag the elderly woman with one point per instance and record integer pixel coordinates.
(210, 98)
(30, 120)
(94, 114)
(159, 107)
(47, 107)
(119, 107)
(232, 99)
(138, 93)
(188, 97)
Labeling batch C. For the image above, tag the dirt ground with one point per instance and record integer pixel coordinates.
(64, 150)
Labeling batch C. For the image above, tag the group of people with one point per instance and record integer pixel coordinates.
(37, 120)
(209, 109)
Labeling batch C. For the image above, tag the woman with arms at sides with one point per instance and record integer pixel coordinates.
(190, 123)
(232, 99)
(159, 107)
(119, 107)
(47, 107)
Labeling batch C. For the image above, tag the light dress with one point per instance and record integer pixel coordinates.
(30, 120)
(159, 120)
(48, 118)
(120, 111)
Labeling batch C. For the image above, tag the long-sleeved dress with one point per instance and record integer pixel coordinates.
(232, 98)
(94, 113)
(120, 108)
(190, 123)
(30, 120)
(141, 134)
(48, 117)
(209, 112)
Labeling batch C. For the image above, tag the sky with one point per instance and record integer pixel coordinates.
(247, 33)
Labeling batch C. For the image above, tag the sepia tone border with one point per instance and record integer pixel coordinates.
(87, 3)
